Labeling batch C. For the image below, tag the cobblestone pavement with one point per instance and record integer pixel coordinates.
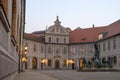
(66, 75)
(75, 75)
(33, 75)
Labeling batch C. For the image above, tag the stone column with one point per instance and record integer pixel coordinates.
(30, 62)
(118, 62)
(38, 63)
(77, 64)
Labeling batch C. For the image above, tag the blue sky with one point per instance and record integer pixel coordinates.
(72, 13)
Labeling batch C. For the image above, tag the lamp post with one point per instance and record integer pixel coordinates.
(24, 58)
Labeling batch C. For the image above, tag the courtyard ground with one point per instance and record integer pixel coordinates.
(66, 75)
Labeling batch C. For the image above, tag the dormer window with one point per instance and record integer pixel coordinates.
(100, 36)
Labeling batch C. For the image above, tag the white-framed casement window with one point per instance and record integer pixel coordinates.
(72, 50)
(65, 50)
(81, 49)
(91, 49)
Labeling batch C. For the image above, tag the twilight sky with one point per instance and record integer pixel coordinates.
(72, 13)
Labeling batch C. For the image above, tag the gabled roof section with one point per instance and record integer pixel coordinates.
(91, 34)
(57, 28)
(86, 35)
(35, 37)
(113, 29)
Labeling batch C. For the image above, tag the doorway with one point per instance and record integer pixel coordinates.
(57, 64)
(73, 66)
(34, 63)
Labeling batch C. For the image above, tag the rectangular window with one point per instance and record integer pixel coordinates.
(108, 45)
(114, 44)
(49, 50)
(91, 51)
(65, 50)
(81, 49)
(104, 47)
(34, 48)
(73, 50)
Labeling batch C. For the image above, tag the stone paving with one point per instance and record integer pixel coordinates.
(66, 75)
(32, 75)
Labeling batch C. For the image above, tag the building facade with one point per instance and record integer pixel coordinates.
(60, 48)
(12, 19)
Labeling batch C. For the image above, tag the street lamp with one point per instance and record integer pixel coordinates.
(24, 58)
(26, 47)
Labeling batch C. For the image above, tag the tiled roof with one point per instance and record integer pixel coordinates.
(113, 29)
(91, 34)
(34, 37)
(81, 35)
(86, 35)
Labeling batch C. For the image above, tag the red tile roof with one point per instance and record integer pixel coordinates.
(81, 35)
(34, 37)
(85, 35)
(113, 29)
(91, 34)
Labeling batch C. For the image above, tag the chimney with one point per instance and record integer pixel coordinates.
(93, 26)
